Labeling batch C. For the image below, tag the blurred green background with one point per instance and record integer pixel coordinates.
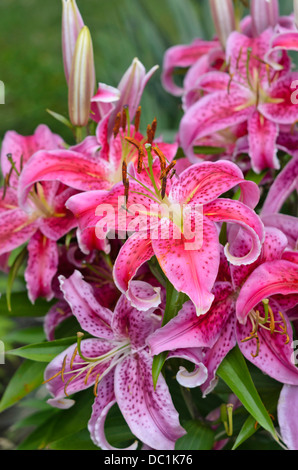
(31, 59)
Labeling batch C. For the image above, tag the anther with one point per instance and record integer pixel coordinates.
(124, 120)
(163, 188)
(161, 157)
(138, 119)
(153, 128)
(96, 384)
(168, 169)
(140, 159)
(149, 134)
(73, 357)
(117, 125)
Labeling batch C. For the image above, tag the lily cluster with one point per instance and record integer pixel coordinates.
(118, 220)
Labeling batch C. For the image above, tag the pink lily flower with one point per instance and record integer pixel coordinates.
(97, 271)
(191, 269)
(248, 294)
(116, 362)
(98, 166)
(42, 221)
(284, 184)
(250, 93)
(287, 417)
(109, 101)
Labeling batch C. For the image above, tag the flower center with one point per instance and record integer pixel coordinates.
(268, 323)
(88, 368)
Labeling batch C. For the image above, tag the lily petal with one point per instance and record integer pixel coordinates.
(287, 419)
(231, 211)
(41, 267)
(275, 277)
(212, 113)
(183, 56)
(104, 401)
(149, 412)
(262, 143)
(92, 317)
(284, 184)
(65, 166)
(190, 271)
(274, 346)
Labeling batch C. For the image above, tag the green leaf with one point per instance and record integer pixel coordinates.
(62, 423)
(78, 441)
(22, 307)
(28, 377)
(34, 334)
(43, 352)
(13, 272)
(234, 371)
(248, 429)
(198, 437)
(206, 150)
(60, 118)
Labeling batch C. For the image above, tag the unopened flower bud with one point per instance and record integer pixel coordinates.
(72, 23)
(264, 13)
(224, 18)
(82, 80)
(296, 12)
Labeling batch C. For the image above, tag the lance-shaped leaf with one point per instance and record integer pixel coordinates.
(233, 370)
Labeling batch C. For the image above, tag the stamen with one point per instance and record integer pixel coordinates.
(168, 169)
(88, 374)
(149, 134)
(73, 357)
(67, 383)
(161, 157)
(13, 165)
(138, 119)
(124, 172)
(140, 159)
(163, 188)
(117, 125)
(153, 128)
(52, 378)
(124, 120)
(96, 384)
(63, 368)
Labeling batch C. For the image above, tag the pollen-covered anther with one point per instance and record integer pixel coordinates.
(163, 188)
(268, 323)
(149, 134)
(124, 120)
(117, 125)
(138, 119)
(162, 158)
(168, 169)
(140, 159)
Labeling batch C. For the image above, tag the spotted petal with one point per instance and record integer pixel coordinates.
(149, 412)
(275, 277)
